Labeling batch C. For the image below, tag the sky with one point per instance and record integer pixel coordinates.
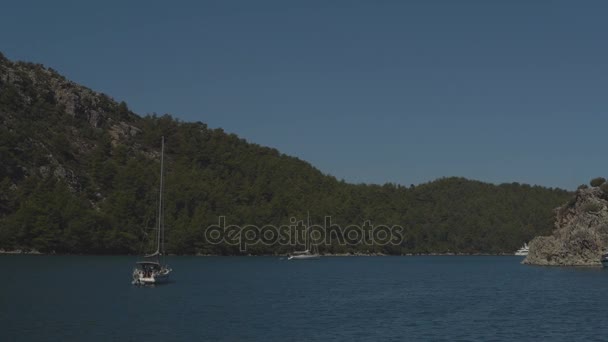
(367, 91)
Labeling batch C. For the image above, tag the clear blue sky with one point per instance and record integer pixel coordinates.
(368, 91)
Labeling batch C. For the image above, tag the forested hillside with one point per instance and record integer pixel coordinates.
(79, 174)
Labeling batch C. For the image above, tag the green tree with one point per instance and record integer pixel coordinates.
(597, 181)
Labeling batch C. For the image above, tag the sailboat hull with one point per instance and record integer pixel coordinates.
(157, 278)
(304, 257)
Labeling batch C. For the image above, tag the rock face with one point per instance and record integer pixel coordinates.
(74, 115)
(581, 233)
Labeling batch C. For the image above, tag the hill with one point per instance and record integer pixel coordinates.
(79, 174)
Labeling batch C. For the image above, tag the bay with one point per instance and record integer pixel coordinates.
(464, 298)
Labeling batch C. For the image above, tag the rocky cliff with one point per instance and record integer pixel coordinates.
(49, 124)
(580, 235)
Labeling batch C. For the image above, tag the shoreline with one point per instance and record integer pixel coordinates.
(35, 252)
(22, 252)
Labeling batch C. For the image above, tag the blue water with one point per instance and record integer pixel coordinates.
(76, 298)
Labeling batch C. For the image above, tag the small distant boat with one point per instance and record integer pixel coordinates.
(605, 259)
(151, 270)
(303, 255)
(309, 253)
(523, 251)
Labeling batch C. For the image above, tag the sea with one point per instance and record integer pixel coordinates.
(408, 298)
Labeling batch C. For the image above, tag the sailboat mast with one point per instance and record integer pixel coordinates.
(160, 197)
(306, 242)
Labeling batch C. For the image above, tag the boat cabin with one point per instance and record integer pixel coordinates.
(148, 267)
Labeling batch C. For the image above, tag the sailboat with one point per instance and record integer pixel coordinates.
(151, 270)
(310, 251)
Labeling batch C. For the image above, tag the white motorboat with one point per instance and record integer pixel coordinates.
(605, 259)
(523, 251)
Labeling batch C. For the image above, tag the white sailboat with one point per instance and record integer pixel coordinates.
(310, 252)
(151, 270)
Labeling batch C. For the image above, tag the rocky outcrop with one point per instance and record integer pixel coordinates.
(33, 82)
(121, 131)
(74, 114)
(581, 232)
